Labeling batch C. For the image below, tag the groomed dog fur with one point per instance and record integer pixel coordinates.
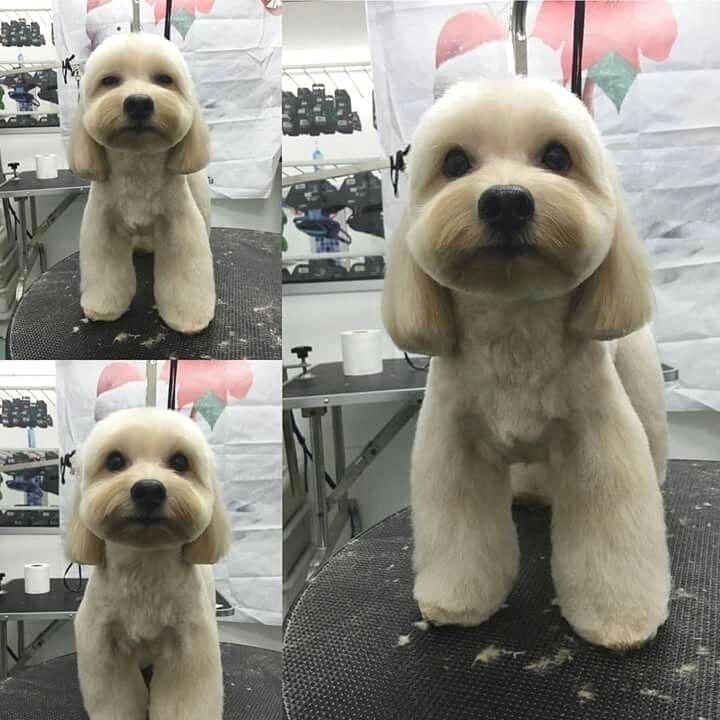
(140, 137)
(148, 514)
(515, 262)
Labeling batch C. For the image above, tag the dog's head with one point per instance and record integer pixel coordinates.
(136, 95)
(147, 479)
(512, 197)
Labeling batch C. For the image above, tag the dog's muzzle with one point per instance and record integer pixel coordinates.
(506, 209)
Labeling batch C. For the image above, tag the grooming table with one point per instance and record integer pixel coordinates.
(50, 690)
(351, 651)
(49, 324)
(58, 606)
(326, 386)
(23, 189)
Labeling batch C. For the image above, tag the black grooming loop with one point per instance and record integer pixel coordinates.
(397, 165)
(578, 35)
(172, 384)
(168, 18)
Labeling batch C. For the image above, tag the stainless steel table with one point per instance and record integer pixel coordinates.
(58, 607)
(326, 386)
(23, 189)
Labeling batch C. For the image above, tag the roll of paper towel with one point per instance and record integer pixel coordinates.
(46, 167)
(37, 578)
(362, 352)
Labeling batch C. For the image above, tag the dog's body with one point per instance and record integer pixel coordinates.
(149, 189)
(148, 602)
(524, 390)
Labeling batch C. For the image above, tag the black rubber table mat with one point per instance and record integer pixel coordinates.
(50, 690)
(353, 653)
(60, 599)
(330, 381)
(28, 184)
(49, 324)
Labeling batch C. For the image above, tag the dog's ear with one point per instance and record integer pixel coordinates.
(86, 157)
(617, 298)
(192, 153)
(81, 545)
(417, 311)
(214, 541)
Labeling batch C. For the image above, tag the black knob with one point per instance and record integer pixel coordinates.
(302, 351)
(14, 166)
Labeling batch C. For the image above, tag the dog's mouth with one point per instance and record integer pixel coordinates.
(148, 520)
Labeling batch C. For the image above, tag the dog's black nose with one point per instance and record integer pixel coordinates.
(506, 207)
(148, 494)
(139, 107)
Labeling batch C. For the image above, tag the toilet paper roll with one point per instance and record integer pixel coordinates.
(37, 578)
(362, 352)
(46, 167)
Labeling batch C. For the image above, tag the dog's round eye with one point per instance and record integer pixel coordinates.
(556, 157)
(163, 80)
(456, 163)
(115, 461)
(110, 81)
(179, 463)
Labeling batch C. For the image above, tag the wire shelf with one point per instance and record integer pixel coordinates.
(33, 59)
(297, 172)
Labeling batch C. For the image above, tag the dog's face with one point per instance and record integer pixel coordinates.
(147, 480)
(513, 195)
(512, 198)
(136, 95)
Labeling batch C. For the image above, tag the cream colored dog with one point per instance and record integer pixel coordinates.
(148, 512)
(140, 137)
(516, 259)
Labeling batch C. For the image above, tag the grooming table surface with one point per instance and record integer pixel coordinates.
(343, 660)
(330, 386)
(50, 691)
(49, 324)
(27, 184)
(60, 602)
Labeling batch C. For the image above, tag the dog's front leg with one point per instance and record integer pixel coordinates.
(111, 684)
(187, 684)
(610, 559)
(466, 548)
(107, 275)
(184, 278)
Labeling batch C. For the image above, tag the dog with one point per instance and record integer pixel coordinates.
(140, 137)
(517, 268)
(149, 516)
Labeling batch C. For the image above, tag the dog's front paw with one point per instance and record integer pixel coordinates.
(616, 628)
(188, 321)
(104, 308)
(464, 603)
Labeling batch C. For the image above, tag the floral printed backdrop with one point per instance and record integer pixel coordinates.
(232, 48)
(651, 78)
(236, 404)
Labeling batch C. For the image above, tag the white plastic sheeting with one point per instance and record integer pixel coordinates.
(655, 92)
(237, 405)
(232, 48)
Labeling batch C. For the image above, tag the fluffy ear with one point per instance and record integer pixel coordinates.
(617, 298)
(81, 545)
(86, 157)
(192, 153)
(214, 542)
(417, 312)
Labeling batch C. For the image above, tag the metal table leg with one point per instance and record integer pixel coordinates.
(3, 649)
(20, 637)
(321, 525)
(22, 247)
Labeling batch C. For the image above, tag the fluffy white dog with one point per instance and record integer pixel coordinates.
(140, 137)
(148, 511)
(515, 260)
